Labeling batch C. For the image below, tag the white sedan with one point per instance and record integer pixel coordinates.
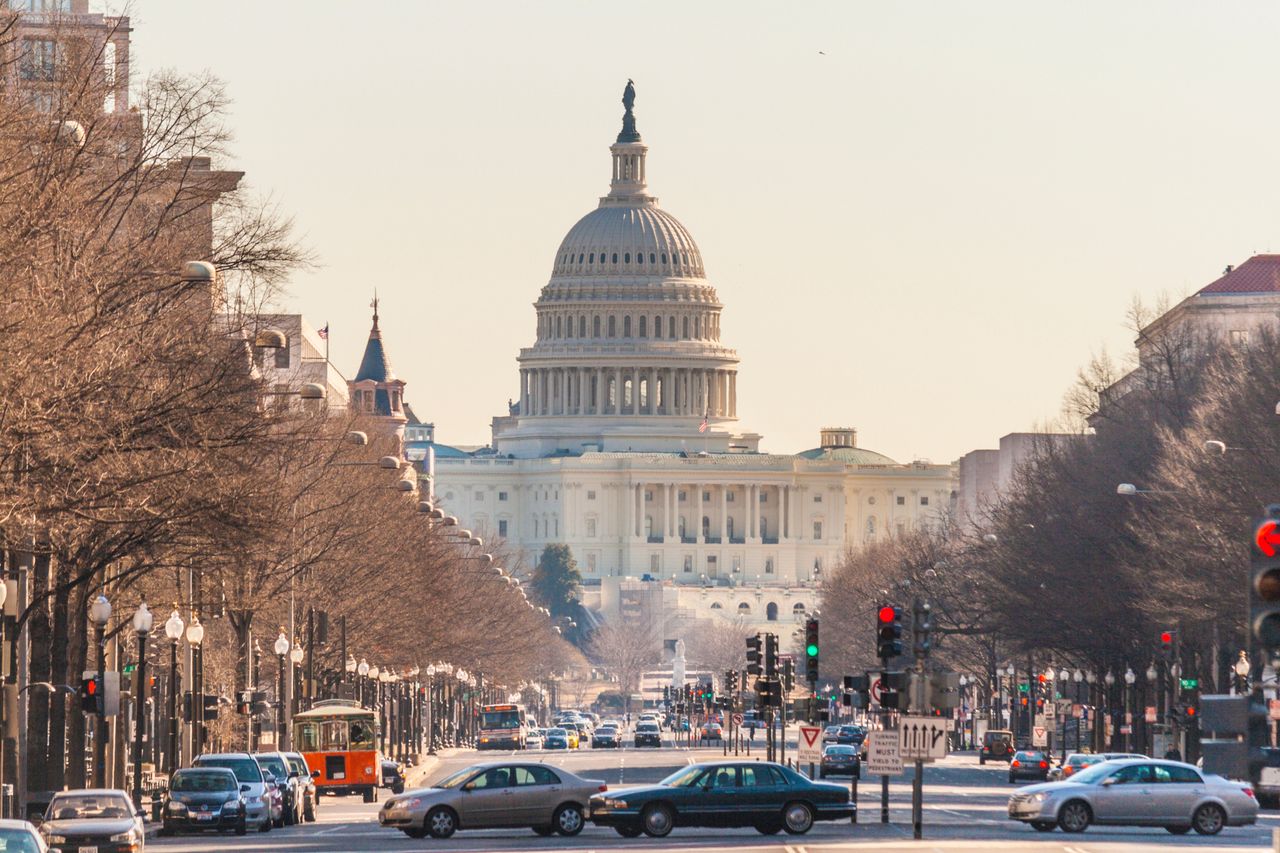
(533, 740)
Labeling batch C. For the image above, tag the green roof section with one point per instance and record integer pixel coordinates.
(847, 455)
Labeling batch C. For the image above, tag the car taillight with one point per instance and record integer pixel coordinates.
(1044, 764)
(604, 788)
(1068, 770)
(1016, 763)
(1248, 792)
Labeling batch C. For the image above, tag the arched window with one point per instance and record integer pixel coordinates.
(871, 527)
(686, 328)
(798, 610)
(639, 257)
(715, 605)
(593, 257)
(615, 257)
(744, 609)
(579, 257)
(595, 326)
(657, 327)
(613, 326)
(627, 391)
(582, 326)
(626, 326)
(644, 326)
(651, 260)
(697, 326)
(706, 526)
(671, 328)
(664, 257)
(559, 327)
(771, 611)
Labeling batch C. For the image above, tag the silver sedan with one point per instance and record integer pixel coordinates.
(495, 795)
(1137, 792)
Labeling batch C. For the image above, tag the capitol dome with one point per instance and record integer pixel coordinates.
(627, 351)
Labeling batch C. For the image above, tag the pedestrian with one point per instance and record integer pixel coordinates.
(1172, 754)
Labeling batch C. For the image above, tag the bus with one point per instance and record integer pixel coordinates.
(339, 740)
(501, 727)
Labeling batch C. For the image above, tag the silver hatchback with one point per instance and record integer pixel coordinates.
(1137, 792)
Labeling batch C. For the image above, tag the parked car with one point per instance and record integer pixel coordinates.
(711, 731)
(556, 739)
(392, 776)
(839, 759)
(762, 794)
(100, 819)
(307, 783)
(1029, 764)
(19, 836)
(287, 783)
(1076, 761)
(583, 729)
(606, 737)
(648, 734)
(202, 798)
(494, 795)
(997, 745)
(1137, 792)
(259, 799)
(533, 740)
(851, 735)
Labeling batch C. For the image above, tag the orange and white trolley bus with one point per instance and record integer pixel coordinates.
(501, 727)
(339, 739)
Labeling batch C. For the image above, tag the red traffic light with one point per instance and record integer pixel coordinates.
(1191, 711)
(91, 686)
(1266, 537)
(887, 614)
(1041, 677)
(1166, 638)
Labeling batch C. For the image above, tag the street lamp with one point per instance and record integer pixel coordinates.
(362, 669)
(281, 648)
(1152, 674)
(100, 615)
(195, 636)
(1241, 668)
(173, 630)
(142, 621)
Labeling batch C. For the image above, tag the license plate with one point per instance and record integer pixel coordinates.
(88, 850)
(204, 816)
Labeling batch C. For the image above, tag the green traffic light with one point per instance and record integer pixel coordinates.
(813, 650)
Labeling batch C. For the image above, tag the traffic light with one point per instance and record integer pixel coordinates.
(788, 674)
(753, 656)
(1166, 644)
(893, 690)
(731, 681)
(90, 698)
(921, 629)
(770, 656)
(888, 632)
(1265, 595)
(811, 650)
(857, 691)
(244, 704)
(1187, 713)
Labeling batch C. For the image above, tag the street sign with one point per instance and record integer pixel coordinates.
(1050, 710)
(1149, 713)
(923, 738)
(1126, 730)
(1039, 736)
(810, 745)
(1040, 720)
(877, 690)
(737, 720)
(883, 758)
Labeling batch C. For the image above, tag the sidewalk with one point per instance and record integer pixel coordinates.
(424, 771)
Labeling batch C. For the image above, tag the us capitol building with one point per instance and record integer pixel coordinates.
(625, 442)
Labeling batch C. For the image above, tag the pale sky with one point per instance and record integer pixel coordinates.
(922, 233)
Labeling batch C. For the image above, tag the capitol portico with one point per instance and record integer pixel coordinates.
(624, 441)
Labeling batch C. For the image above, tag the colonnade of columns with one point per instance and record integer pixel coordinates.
(689, 391)
(660, 505)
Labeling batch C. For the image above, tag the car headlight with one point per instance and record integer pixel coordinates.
(175, 806)
(614, 804)
(232, 804)
(56, 839)
(125, 837)
(1039, 797)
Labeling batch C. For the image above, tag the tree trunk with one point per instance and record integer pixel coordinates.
(79, 644)
(40, 669)
(60, 673)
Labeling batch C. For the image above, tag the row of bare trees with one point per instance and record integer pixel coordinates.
(1064, 569)
(141, 455)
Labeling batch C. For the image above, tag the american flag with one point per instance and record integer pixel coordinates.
(324, 333)
(702, 427)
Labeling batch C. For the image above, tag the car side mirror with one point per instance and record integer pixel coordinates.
(293, 775)
(315, 774)
(37, 819)
(244, 789)
(1107, 783)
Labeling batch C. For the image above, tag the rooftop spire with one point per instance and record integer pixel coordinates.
(629, 132)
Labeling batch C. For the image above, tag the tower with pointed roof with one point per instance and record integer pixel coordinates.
(375, 392)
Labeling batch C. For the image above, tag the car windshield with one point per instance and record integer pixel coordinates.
(455, 780)
(189, 781)
(1094, 774)
(647, 727)
(606, 730)
(18, 841)
(275, 764)
(557, 733)
(246, 769)
(89, 807)
(685, 777)
(500, 719)
(840, 750)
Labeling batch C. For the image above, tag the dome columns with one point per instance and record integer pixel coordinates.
(629, 391)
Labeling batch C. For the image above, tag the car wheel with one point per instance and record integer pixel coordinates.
(1178, 830)
(415, 832)
(265, 826)
(544, 830)
(628, 831)
(441, 822)
(568, 819)
(658, 820)
(241, 829)
(768, 828)
(797, 818)
(1208, 819)
(1043, 825)
(1075, 816)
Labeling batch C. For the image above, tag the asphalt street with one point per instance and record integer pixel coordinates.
(964, 811)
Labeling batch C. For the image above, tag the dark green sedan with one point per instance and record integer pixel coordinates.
(768, 796)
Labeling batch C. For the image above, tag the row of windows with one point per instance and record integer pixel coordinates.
(702, 326)
(706, 496)
(674, 262)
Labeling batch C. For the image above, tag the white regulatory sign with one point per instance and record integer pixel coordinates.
(923, 738)
(1039, 736)
(883, 758)
(810, 745)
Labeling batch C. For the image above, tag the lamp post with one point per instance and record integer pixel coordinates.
(463, 723)
(173, 630)
(100, 615)
(1241, 669)
(142, 621)
(195, 636)
(281, 648)
(1129, 679)
(296, 656)
(1110, 680)
(431, 709)
(362, 670)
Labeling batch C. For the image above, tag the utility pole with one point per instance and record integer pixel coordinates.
(921, 628)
